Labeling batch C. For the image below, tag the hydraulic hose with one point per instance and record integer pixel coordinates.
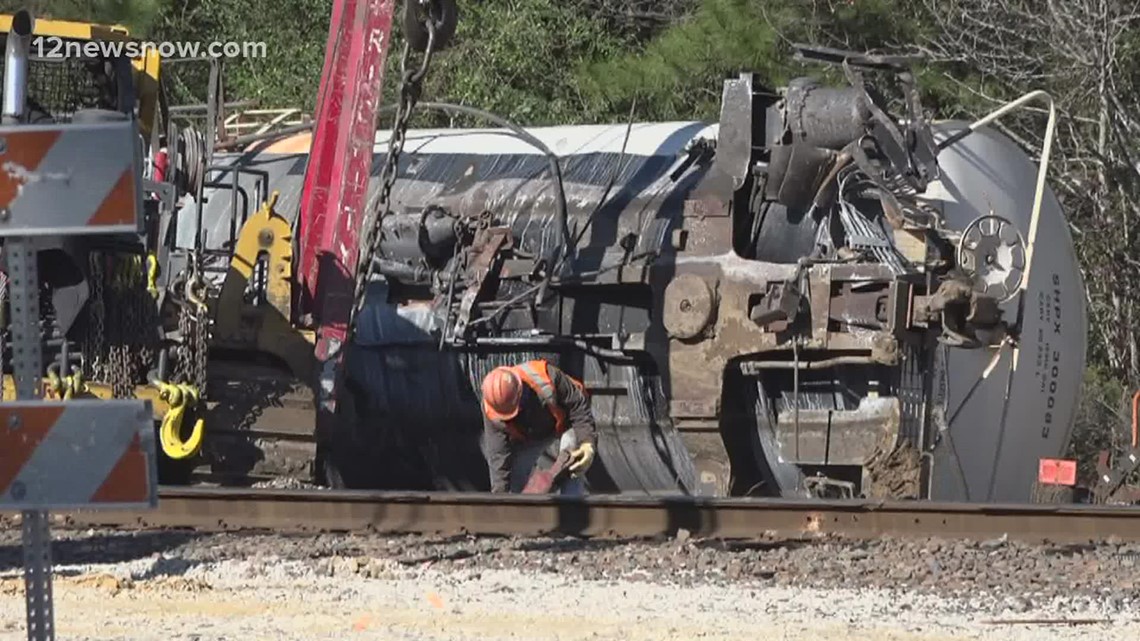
(555, 168)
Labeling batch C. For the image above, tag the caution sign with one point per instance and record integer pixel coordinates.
(77, 454)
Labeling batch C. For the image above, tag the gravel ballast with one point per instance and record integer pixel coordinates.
(179, 585)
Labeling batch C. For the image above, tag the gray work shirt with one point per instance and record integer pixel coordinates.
(536, 423)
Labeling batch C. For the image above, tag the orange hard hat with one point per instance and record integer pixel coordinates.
(502, 389)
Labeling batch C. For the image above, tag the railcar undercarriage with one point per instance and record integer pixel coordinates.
(763, 307)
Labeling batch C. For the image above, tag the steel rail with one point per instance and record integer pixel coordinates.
(289, 511)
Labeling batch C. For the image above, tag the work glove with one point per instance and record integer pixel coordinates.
(581, 459)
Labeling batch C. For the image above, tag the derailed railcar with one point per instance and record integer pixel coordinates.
(808, 298)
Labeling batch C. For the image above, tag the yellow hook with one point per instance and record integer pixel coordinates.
(179, 398)
(152, 275)
(54, 382)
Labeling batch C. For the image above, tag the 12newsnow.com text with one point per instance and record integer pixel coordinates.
(55, 47)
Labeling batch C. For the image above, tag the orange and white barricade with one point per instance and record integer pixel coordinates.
(79, 178)
(76, 454)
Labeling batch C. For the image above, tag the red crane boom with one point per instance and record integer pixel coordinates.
(336, 179)
(335, 189)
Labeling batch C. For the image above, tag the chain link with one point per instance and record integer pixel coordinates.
(410, 88)
(182, 371)
(192, 352)
(201, 349)
(121, 341)
(95, 348)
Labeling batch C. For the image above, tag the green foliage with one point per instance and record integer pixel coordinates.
(677, 75)
(294, 33)
(137, 15)
(516, 58)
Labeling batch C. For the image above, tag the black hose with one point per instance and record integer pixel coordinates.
(613, 177)
(555, 168)
(412, 274)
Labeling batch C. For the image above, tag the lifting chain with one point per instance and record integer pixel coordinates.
(194, 328)
(96, 345)
(121, 339)
(182, 353)
(410, 87)
(201, 346)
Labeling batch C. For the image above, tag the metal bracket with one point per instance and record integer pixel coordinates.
(486, 261)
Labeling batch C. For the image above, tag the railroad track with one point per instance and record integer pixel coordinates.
(230, 509)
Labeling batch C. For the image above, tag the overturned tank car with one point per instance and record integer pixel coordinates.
(811, 297)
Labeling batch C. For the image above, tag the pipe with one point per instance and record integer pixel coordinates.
(547, 341)
(16, 67)
(798, 364)
(1042, 168)
(187, 109)
(241, 141)
(412, 274)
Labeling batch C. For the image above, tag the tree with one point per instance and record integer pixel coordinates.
(1086, 53)
(294, 33)
(678, 74)
(516, 58)
(137, 15)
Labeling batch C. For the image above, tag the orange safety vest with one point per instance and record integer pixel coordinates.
(537, 377)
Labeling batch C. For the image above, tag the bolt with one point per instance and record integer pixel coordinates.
(5, 214)
(19, 490)
(14, 422)
(3, 145)
(686, 306)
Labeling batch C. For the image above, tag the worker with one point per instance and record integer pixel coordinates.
(527, 407)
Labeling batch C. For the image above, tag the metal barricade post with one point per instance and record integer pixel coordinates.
(58, 180)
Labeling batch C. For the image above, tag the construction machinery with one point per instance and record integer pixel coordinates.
(125, 315)
(142, 314)
(811, 297)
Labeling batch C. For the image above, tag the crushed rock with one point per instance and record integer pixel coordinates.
(937, 566)
(677, 587)
(286, 483)
(296, 599)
